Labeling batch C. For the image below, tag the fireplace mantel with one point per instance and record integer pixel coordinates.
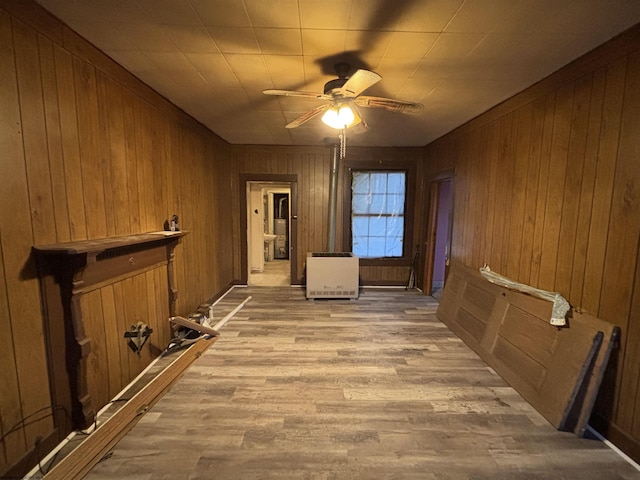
(68, 271)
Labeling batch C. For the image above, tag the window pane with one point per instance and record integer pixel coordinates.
(378, 182)
(360, 203)
(395, 226)
(393, 247)
(361, 246)
(376, 247)
(360, 227)
(378, 204)
(360, 183)
(396, 183)
(377, 225)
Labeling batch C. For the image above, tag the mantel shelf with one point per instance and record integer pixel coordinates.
(96, 246)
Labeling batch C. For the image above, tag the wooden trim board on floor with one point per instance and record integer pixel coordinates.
(557, 370)
(81, 460)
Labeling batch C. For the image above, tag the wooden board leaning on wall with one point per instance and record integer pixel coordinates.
(557, 369)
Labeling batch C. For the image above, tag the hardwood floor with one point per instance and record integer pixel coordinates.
(375, 388)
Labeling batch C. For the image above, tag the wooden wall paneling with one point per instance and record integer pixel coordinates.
(193, 197)
(531, 189)
(572, 185)
(21, 287)
(458, 154)
(503, 193)
(131, 153)
(153, 172)
(97, 362)
(107, 160)
(480, 157)
(118, 158)
(216, 195)
(624, 233)
(54, 140)
(575, 293)
(142, 152)
(312, 240)
(603, 186)
(188, 186)
(341, 208)
(34, 134)
(321, 201)
(477, 157)
(130, 318)
(106, 157)
(159, 170)
(630, 387)
(580, 229)
(13, 442)
(464, 194)
(70, 144)
(37, 17)
(497, 205)
(163, 168)
(181, 183)
(304, 217)
(88, 137)
(491, 164)
(143, 314)
(113, 340)
(201, 211)
(556, 180)
(543, 188)
(155, 341)
(518, 194)
(163, 333)
(122, 325)
(234, 219)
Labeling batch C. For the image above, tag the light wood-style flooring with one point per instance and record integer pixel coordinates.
(375, 388)
(276, 273)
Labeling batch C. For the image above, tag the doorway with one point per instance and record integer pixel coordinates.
(439, 227)
(268, 229)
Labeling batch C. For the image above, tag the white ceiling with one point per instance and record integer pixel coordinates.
(213, 58)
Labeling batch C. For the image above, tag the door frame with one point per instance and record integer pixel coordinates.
(433, 190)
(292, 180)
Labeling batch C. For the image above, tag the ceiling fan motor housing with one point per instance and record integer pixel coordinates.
(342, 70)
(333, 84)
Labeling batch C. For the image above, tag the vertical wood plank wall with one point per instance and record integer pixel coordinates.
(88, 151)
(312, 167)
(547, 192)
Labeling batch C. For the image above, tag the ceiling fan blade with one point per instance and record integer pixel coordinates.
(296, 93)
(307, 116)
(359, 82)
(389, 104)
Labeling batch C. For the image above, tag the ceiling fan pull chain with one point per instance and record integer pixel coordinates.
(343, 143)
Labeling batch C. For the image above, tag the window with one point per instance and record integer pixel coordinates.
(378, 201)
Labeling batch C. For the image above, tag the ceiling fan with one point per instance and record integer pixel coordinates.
(345, 99)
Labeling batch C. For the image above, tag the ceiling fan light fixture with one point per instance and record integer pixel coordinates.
(339, 116)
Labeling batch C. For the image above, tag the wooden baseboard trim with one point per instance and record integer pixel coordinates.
(622, 440)
(81, 460)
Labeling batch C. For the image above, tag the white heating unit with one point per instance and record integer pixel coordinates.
(332, 275)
